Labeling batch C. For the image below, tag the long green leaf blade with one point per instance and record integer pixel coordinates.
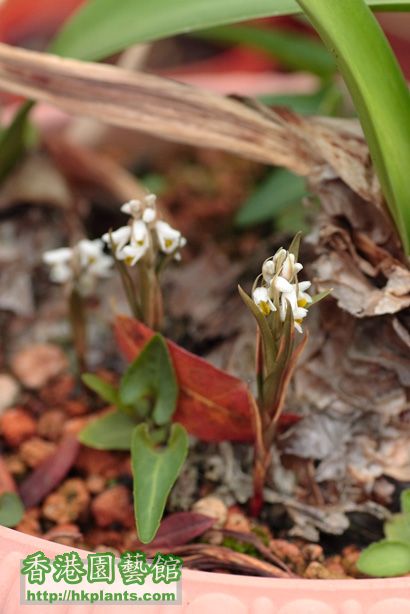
(379, 91)
(295, 51)
(278, 191)
(104, 27)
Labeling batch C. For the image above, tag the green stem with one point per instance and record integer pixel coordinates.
(379, 91)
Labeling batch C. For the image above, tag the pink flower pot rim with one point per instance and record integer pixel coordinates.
(27, 544)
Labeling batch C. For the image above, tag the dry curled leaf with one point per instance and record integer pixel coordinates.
(316, 147)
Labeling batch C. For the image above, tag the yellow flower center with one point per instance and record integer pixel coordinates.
(128, 260)
(168, 243)
(302, 302)
(264, 307)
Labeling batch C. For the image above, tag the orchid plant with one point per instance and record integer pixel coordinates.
(78, 268)
(149, 244)
(279, 303)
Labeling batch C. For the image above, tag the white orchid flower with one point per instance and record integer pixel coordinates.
(169, 239)
(89, 251)
(62, 255)
(263, 301)
(119, 238)
(60, 263)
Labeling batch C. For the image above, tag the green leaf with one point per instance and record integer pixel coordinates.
(150, 384)
(13, 140)
(113, 431)
(266, 335)
(295, 245)
(397, 528)
(11, 509)
(319, 296)
(106, 391)
(103, 27)
(385, 559)
(155, 471)
(405, 501)
(295, 50)
(379, 91)
(326, 101)
(278, 191)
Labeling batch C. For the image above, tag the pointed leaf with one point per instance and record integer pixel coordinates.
(155, 471)
(405, 501)
(266, 335)
(295, 245)
(106, 391)
(11, 509)
(385, 559)
(150, 381)
(212, 404)
(112, 431)
(318, 297)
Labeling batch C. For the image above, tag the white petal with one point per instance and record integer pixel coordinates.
(61, 273)
(268, 270)
(58, 256)
(139, 236)
(150, 200)
(149, 215)
(304, 285)
(282, 284)
(299, 313)
(133, 253)
(298, 267)
(132, 207)
(298, 327)
(120, 236)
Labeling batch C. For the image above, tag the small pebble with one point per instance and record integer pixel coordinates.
(113, 506)
(237, 521)
(15, 465)
(37, 364)
(214, 508)
(95, 484)
(17, 425)
(35, 450)
(68, 503)
(9, 391)
(50, 424)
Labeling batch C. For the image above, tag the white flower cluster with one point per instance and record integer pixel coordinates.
(133, 241)
(83, 263)
(280, 288)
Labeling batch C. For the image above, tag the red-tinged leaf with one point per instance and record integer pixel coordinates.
(212, 405)
(20, 19)
(288, 420)
(50, 472)
(179, 529)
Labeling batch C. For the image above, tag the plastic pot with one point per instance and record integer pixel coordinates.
(213, 593)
